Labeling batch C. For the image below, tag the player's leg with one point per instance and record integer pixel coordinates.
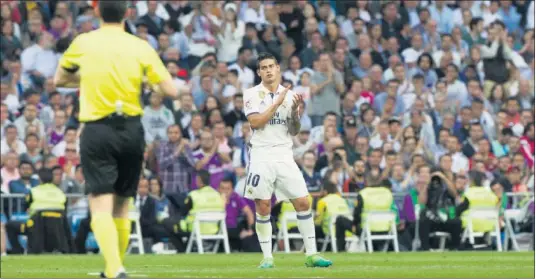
(100, 173)
(263, 228)
(291, 185)
(259, 187)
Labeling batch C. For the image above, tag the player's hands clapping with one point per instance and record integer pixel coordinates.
(282, 95)
(296, 100)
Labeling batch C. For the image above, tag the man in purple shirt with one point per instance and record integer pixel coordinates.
(209, 158)
(175, 162)
(235, 206)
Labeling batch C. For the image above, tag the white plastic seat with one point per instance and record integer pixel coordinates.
(491, 214)
(136, 238)
(284, 234)
(198, 237)
(390, 235)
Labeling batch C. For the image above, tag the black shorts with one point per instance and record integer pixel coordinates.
(111, 152)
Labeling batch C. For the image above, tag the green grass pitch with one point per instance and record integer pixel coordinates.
(362, 265)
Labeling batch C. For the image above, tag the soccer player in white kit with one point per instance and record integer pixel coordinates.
(272, 111)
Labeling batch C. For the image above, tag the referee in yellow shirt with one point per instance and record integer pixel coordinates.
(109, 65)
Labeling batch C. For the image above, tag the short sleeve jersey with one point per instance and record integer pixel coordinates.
(274, 139)
(112, 64)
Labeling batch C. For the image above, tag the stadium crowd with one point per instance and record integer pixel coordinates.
(397, 93)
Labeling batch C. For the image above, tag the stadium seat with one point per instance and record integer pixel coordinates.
(283, 233)
(491, 214)
(198, 237)
(439, 234)
(366, 234)
(332, 237)
(514, 216)
(136, 239)
(510, 215)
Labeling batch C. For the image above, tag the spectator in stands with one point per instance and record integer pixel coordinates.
(29, 118)
(356, 181)
(39, 61)
(236, 116)
(156, 119)
(69, 138)
(241, 234)
(33, 151)
(175, 162)
(146, 205)
(9, 171)
(495, 54)
(26, 180)
(11, 143)
(212, 157)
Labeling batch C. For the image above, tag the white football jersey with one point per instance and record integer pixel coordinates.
(273, 142)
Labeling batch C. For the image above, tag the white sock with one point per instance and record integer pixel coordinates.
(263, 227)
(307, 230)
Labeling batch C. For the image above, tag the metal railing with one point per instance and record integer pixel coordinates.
(14, 203)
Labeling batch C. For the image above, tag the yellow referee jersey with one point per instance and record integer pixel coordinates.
(112, 64)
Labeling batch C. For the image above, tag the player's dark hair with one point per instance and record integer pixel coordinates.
(238, 95)
(45, 175)
(204, 175)
(112, 11)
(264, 56)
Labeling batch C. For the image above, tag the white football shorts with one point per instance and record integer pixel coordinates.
(284, 178)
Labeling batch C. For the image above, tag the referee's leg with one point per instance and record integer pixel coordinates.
(129, 168)
(99, 143)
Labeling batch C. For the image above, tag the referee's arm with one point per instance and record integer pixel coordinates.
(67, 74)
(157, 74)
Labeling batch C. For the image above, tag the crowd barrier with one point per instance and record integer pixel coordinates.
(12, 206)
(77, 203)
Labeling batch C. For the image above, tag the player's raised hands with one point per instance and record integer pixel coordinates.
(282, 96)
(296, 100)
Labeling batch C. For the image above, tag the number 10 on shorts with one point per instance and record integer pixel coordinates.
(253, 180)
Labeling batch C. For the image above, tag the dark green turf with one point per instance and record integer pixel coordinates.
(376, 265)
